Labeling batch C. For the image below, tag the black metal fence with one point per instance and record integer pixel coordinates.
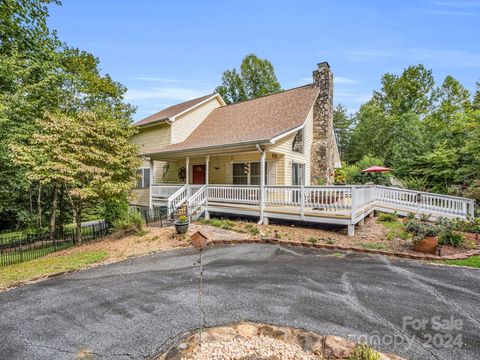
(28, 246)
(156, 215)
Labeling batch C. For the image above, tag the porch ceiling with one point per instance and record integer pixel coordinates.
(200, 153)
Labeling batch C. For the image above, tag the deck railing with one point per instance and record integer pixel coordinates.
(164, 190)
(197, 200)
(356, 199)
(177, 199)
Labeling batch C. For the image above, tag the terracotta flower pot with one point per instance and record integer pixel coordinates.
(427, 245)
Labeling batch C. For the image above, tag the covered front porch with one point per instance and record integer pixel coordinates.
(247, 166)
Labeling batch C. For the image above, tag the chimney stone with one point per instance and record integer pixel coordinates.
(322, 164)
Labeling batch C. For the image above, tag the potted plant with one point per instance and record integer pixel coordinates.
(424, 236)
(181, 224)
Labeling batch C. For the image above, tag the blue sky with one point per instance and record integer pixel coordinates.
(166, 52)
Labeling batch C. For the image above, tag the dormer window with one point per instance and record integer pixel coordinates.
(297, 144)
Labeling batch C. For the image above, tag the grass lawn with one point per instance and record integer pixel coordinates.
(473, 261)
(44, 266)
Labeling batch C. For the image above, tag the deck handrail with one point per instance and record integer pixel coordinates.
(197, 200)
(177, 199)
(336, 198)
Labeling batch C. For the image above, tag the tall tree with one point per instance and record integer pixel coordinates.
(343, 126)
(256, 78)
(89, 155)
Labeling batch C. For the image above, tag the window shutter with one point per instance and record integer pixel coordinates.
(228, 173)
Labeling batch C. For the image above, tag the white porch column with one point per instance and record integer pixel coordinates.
(207, 161)
(187, 174)
(152, 177)
(262, 184)
(187, 170)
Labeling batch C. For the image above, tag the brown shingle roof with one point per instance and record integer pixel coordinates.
(254, 120)
(172, 111)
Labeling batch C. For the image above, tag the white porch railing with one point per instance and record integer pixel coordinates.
(356, 200)
(165, 190)
(177, 199)
(197, 200)
(237, 194)
(426, 202)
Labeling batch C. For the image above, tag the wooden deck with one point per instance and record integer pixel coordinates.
(344, 205)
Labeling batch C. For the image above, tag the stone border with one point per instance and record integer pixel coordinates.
(403, 255)
(320, 346)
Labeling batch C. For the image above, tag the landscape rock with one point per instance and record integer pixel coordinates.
(337, 347)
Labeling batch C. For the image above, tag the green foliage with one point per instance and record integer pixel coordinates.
(116, 208)
(220, 223)
(182, 219)
(420, 230)
(373, 246)
(130, 223)
(473, 261)
(428, 134)
(342, 125)
(387, 217)
(312, 240)
(352, 174)
(450, 237)
(364, 352)
(256, 78)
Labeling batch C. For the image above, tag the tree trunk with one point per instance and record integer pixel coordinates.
(78, 220)
(39, 206)
(54, 212)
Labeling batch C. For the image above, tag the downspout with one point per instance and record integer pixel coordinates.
(262, 183)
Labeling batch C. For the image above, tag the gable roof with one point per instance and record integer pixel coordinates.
(172, 111)
(253, 121)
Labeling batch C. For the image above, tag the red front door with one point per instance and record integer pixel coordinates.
(198, 174)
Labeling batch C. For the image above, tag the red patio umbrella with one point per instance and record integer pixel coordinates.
(375, 169)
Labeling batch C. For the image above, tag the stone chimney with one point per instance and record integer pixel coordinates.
(322, 152)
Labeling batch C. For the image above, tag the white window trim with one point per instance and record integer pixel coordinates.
(142, 180)
(267, 175)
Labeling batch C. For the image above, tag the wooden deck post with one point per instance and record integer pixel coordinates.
(302, 202)
(150, 186)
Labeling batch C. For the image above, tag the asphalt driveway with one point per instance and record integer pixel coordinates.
(130, 309)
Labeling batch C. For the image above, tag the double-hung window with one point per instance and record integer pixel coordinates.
(248, 173)
(143, 178)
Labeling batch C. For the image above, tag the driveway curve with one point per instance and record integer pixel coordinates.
(129, 310)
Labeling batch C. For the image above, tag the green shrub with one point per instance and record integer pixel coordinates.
(116, 208)
(330, 241)
(131, 223)
(364, 352)
(312, 239)
(451, 237)
(420, 230)
(387, 217)
(182, 219)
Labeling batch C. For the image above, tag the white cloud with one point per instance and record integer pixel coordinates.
(344, 80)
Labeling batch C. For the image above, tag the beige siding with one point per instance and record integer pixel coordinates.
(152, 138)
(139, 197)
(284, 146)
(183, 126)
